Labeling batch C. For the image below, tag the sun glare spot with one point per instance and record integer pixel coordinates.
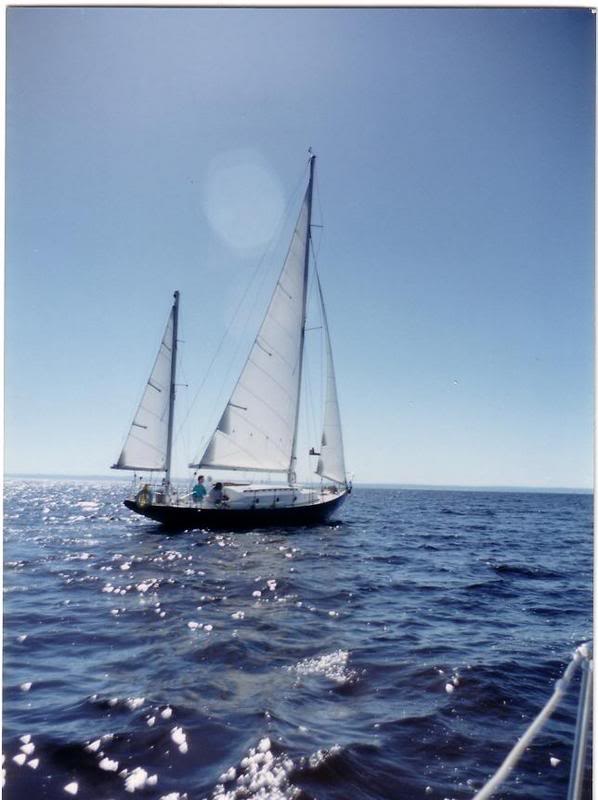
(242, 199)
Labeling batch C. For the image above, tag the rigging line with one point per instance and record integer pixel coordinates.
(216, 412)
(306, 399)
(315, 250)
(271, 300)
(264, 277)
(277, 228)
(316, 302)
(179, 442)
(310, 417)
(182, 438)
(317, 245)
(323, 370)
(315, 356)
(319, 198)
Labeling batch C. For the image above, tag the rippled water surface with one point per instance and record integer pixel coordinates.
(398, 653)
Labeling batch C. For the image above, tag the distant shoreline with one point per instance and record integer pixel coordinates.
(356, 485)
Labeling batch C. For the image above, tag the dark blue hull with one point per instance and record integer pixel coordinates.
(223, 518)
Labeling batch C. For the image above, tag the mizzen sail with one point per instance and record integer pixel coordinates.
(148, 443)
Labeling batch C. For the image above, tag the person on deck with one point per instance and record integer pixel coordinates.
(144, 496)
(199, 490)
(216, 495)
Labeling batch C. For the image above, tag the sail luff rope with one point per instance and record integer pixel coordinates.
(561, 686)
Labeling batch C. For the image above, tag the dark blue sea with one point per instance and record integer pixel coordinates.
(398, 653)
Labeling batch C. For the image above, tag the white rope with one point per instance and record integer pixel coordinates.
(511, 760)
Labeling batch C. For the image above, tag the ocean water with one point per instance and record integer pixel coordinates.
(398, 652)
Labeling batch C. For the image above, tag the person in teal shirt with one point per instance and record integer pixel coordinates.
(199, 490)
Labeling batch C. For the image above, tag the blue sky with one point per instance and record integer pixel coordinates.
(156, 149)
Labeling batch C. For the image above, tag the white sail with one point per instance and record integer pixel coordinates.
(257, 429)
(331, 463)
(146, 446)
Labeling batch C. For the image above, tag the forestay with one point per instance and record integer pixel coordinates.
(257, 427)
(146, 445)
(331, 463)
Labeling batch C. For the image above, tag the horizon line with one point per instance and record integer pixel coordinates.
(369, 484)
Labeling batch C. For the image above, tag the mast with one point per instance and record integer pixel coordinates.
(175, 326)
(291, 473)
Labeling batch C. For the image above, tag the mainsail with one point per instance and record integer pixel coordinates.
(257, 430)
(148, 443)
(331, 463)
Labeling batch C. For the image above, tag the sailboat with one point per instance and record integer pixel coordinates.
(258, 428)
